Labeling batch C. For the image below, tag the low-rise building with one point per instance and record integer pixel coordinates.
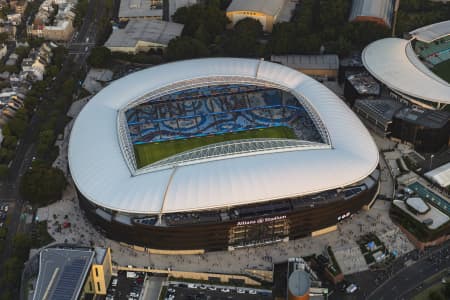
(9, 29)
(3, 50)
(266, 12)
(62, 27)
(14, 19)
(323, 66)
(140, 9)
(66, 272)
(377, 11)
(360, 85)
(19, 6)
(427, 130)
(12, 60)
(143, 35)
(37, 61)
(440, 175)
(174, 5)
(378, 114)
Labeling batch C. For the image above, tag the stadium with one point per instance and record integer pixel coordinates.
(219, 153)
(415, 70)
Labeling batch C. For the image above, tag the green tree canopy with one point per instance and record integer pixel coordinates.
(19, 123)
(243, 39)
(42, 184)
(3, 171)
(185, 48)
(203, 22)
(100, 57)
(4, 36)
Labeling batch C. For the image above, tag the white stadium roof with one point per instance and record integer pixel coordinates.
(432, 32)
(101, 172)
(393, 62)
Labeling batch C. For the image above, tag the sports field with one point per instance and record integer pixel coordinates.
(152, 152)
(443, 70)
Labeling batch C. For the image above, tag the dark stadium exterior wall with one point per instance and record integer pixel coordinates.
(215, 236)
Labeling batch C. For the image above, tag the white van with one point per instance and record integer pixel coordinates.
(351, 288)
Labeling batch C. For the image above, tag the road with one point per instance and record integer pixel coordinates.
(411, 277)
(9, 189)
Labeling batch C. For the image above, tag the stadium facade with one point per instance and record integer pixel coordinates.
(406, 66)
(204, 195)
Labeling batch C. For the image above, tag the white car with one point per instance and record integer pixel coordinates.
(351, 288)
(240, 291)
(225, 290)
(212, 288)
(202, 287)
(253, 292)
(114, 282)
(192, 286)
(5, 208)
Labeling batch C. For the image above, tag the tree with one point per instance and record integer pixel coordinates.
(243, 40)
(11, 271)
(19, 123)
(21, 246)
(42, 184)
(9, 142)
(435, 295)
(46, 140)
(4, 36)
(3, 171)
(446, 290)
(186, 48)
(52, 71)
(202, 22)
(100, 57)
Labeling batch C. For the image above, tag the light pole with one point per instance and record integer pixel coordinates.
(397, 4)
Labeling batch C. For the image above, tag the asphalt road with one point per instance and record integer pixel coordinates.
(9, 189)
(410, 277)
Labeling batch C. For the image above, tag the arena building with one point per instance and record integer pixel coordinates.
(266, 12)
(219, 153)
(415, 70)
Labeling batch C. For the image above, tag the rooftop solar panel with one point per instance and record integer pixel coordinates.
(69, 281)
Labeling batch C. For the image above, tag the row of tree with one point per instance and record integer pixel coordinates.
(316, 25)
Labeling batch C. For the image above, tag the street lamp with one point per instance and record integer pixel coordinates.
(394, 25)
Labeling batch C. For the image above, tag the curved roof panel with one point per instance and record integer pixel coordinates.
(100, 171)
(393, 62)
(432, 32)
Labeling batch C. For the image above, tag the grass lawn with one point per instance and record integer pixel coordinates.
(152, 152)
(443, 70)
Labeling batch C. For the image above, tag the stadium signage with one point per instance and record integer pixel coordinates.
(261, 220)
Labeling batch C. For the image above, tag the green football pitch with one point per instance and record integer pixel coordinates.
(152, 152)
(443, 70)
